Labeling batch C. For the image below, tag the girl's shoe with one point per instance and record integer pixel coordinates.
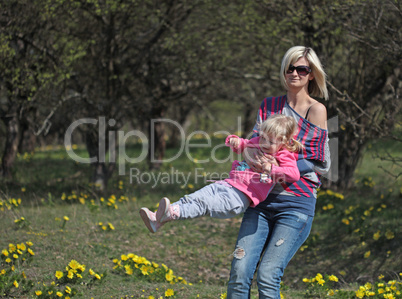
(149, 219)
(166, 212)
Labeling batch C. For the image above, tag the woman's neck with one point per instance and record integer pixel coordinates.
(296, 98)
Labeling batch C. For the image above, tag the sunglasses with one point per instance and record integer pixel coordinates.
(302, 70)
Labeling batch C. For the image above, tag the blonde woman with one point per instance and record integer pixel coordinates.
(273, 231)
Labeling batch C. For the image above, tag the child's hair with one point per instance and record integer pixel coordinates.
(283, 128)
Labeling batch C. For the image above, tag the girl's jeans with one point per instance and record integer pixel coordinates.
(280, 234)
(218, 200)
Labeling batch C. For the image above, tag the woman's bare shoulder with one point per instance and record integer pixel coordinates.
(318, 115)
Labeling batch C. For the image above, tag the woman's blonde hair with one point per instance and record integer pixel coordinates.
(318, 86)
(283, 128)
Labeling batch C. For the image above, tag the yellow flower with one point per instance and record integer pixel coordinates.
(169, 276)
(15, 283)
(360, 293)
(38, 293)
(333, 278)
(31, 252)
(66, 218)
(11, 248)
(81, 268)
(389, 235)
(376, 236)
(74, 264)
(367, 254)
(169, 293)
(5, 252)
(91, 272)
(70, 274)
(111, 226)
(68, 290)
(97, 276)
(59, 294)
(59, 274)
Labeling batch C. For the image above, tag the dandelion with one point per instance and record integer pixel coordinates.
(169, 293)
(169, 276)
(11, 248)
(389, 235)
(66, 218)
(70, 274)
(59, 274)
(97, 276)
(5, 252)
(361, 292)
(38, 293)
(59, 294)
(74, 264)
(31, 252)
(15, 283)
(331, 293)
(68, 290)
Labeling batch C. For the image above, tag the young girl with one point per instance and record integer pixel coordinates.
(244, 187)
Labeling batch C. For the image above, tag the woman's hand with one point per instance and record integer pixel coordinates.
(255, 158)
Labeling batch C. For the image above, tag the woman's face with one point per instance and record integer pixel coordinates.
(297, 79)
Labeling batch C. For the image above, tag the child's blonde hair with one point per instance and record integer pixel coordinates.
(283, 128)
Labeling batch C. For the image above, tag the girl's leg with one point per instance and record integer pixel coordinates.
(214, 200)
(252, 237)
(289, 232)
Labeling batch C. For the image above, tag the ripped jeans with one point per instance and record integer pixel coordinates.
(273, 237)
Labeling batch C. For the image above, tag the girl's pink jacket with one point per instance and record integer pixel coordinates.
(248, 181)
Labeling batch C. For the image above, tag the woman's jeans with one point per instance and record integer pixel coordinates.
(280, 234)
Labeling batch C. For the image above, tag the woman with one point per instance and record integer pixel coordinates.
(272, 232)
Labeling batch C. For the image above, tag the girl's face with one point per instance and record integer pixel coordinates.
(269, 144)
(297, 78)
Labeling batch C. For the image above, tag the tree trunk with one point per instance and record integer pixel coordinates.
(12, 139)
(101, 172)
(27, 140)
(249, 120)
(157, 143)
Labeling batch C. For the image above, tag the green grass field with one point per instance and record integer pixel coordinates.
(355, 236)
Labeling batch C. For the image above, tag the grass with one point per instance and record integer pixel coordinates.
(355, 235)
